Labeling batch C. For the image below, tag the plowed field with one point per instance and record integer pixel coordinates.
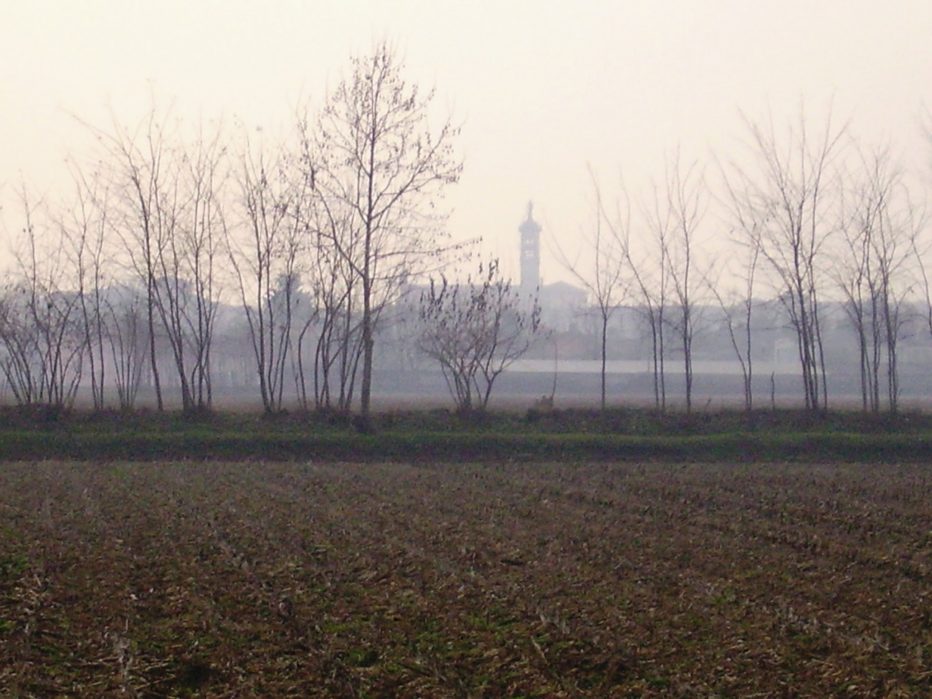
(267, 580)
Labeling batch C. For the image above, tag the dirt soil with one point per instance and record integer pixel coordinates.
(476, 580)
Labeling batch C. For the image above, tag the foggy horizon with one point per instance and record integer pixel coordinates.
(542, 91)
(186, 159)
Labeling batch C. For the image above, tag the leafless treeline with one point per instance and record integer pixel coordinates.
(316, 236)
(808, 215)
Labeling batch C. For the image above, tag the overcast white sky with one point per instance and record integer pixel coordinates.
(541, 88)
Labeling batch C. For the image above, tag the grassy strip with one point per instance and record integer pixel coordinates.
(615, 420)
(332, 445)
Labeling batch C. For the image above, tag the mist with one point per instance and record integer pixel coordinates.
(645, 135)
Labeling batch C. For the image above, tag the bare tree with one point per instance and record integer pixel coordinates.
(856, 276)
(374, 153)
(739, 323)
(786, 203)
(677, 228)
(879, 231)
(475, 331)
(170, 223)
(604, 280)
(266, 263)
(335, 319)
(920, 251)
(651, 275)
(19, 362)
(188, 234)
(84, 227)
(202, 232)
(334, 239)
(127, 340)
(747, 221)
(141, 185)
(40, 328)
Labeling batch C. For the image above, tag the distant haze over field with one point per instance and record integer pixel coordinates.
(541, 88)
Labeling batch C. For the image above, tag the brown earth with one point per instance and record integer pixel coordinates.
(275, 580)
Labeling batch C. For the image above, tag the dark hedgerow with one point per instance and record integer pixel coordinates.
(448, 436)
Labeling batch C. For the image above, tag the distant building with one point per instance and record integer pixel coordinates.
(560, 302)
(530, 253)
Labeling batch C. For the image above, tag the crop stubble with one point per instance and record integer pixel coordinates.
(227, 579)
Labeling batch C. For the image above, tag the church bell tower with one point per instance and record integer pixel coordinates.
(530, 252)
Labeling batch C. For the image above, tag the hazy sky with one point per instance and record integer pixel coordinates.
(541, 88)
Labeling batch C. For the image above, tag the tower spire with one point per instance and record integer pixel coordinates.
(530, 252)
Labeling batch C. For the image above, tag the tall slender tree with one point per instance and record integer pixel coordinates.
(375, 154)
(787, 200)
(604, 279)
(685, 204)
(265, 254)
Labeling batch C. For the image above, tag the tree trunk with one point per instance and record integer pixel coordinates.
(156, 382)
(604, 334)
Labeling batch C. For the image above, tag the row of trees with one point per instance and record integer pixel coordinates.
(806, 216)
(320, 236)
(317, 237)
